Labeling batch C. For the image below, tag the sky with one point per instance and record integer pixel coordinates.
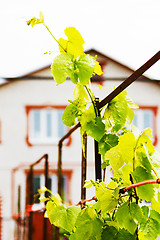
(125, 30)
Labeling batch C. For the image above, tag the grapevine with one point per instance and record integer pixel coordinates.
(118, 210)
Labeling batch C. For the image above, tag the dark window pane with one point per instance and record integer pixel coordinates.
(36, 186)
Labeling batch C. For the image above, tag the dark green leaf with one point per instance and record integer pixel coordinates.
(145, 192)
(111, 233)
(107, 142)
(95, 128)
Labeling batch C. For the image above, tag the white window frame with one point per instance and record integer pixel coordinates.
(139, 115)
(42, 137)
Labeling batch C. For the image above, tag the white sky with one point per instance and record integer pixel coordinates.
(126, 30)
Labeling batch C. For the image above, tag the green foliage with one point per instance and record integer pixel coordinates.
(117, 213)
(111, 233)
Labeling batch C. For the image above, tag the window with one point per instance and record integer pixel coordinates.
(145, 117)
(39, 181)
(45, 125)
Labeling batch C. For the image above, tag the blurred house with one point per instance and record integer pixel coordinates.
(31, 109)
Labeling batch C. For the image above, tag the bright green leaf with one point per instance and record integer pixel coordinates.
(63, 67)
(136, 212)
(124, 218)
(85, 66)
(95, 128)
(87, 227)
(64, 217)
(79, 92)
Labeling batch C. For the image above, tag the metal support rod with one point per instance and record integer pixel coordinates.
(19, 213)
(46, 195)
(30, 203)
(98, 171)
(59, 167)
(129, 80)
(45, 156)
(84, 167)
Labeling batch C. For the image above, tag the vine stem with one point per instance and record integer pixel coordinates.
(86, 200)
(92, 100)
(54, 37)
(123, 190)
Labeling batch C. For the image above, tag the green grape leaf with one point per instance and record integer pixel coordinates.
(124, 172)
(136, 212)
(125, 219)
(155, 161)
(111, 233)
(107, 197)
(115, 159)
(145, 211)
(74, 44)
(126, 146)
(156, 203)
(118, 112)
(150, 228)
(145, 192)
(79, 92)
(95, 128)
(143, 160)
(73, 111)
(63, 67)
(64, 217)
(85, 68)
(131, 104)
(107, 142)
(87, 227)
(144, 140)
(122, 153)
(97, 69)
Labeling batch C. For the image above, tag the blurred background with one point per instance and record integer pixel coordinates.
(124, 35)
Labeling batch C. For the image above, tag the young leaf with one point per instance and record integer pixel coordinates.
(118, 112)
(63, 67)
(73, 111)
(95, 128)
(64, 217)
(34, 21)
(85, 68)
(97, 69)
(74, 44)
(79, 92)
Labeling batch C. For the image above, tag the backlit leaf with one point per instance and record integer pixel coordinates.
(124, 218)
(64, 217)
(63, 67)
